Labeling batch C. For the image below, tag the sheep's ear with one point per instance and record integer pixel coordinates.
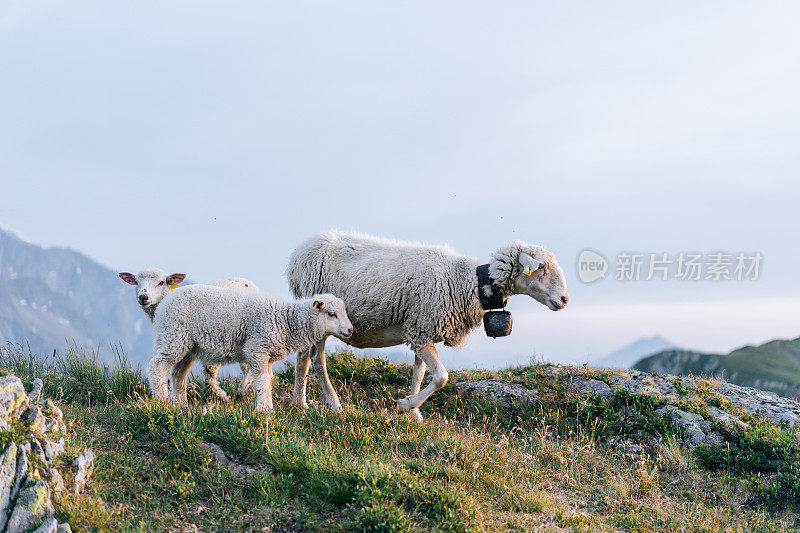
(175, 279)
(318, 305)
(127, 277)
(527, 264)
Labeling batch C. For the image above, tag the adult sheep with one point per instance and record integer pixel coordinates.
(221, 326)
(152, 285)
(414, 294)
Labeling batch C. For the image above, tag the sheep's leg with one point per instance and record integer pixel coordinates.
(157, 372)
(246, 386)
(416, 382)
(301, 377)
(213, 384)
(322, 374)
(262, 384)
(439, 378)
(179, 373)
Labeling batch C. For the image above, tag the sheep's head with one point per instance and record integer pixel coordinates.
(152, 285)
(525, 269)
(333, 314)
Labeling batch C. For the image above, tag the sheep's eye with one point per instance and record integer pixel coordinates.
(332, 315)
(541, 267)
(161, 283)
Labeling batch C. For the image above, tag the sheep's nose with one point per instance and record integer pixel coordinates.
(565, 299)
(142, 298)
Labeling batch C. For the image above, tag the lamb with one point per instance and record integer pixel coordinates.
(153, 284)
(414, 294)
(222, 326)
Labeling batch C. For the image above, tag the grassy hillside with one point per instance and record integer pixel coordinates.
(773, 366)
(565, 464)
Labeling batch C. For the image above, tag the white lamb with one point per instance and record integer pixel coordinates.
(414, 294)
(223, 326)
(153, 284)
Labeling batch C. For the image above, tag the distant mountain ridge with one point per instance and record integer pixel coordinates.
(773, 366)
(630, 354)
(49, 296)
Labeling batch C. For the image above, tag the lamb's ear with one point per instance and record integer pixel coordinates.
(527, 264)
(127, 277)
(175, 279)
(318, 305)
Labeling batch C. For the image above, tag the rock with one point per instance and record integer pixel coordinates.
(56, 481)
(13, 400)
(788, 417)
(725, 418)
(64, 528)
(36, 420)
(696, 430)
(36, 391)
(48, 526)
(22, 469)
(53, 449)
(497, 391)
(53, 411)
(594, 386)
(36, 447)
(217, 454)
(84, 465)
(632, 449)
(8, 468)
(32, 505)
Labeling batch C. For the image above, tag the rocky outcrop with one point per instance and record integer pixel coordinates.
(699, 426)
(497, 391)
(29, 477)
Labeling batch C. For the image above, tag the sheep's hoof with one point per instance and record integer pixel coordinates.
(403, 405)
(415, 414)
(300, 405)
(336, 407)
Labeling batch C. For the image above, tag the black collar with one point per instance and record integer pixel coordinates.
(486, 285)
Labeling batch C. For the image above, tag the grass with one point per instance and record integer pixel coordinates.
(471, 465)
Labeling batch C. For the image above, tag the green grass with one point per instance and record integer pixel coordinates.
(471, 465)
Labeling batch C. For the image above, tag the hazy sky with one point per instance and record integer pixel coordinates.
(211, 138)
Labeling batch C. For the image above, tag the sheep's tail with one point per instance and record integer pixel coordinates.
(306, 270)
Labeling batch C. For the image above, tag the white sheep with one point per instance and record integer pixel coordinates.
(224, 326)
(398, 292)
(153, 284)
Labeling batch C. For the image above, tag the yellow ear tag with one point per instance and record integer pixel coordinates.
(173, 286)
(527, 270)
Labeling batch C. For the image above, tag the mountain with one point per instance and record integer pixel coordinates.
(629, 355)
(774, 366)
(49, 296)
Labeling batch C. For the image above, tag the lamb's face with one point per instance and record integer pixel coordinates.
(540, 277)
(333, 314)
(152, 285)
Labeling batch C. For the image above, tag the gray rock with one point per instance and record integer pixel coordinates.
(64, 528)
(36, 392)
(497, 391)
(53, 449)
(13, 400)
(84, 465)
(218, 457)
(8, 468)
(32, 506)
(53, 411)
(36, 420)
(594, 386)
(22, 469)
(56, 481)
(36, 447)
(48, 526)
(725, 418)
